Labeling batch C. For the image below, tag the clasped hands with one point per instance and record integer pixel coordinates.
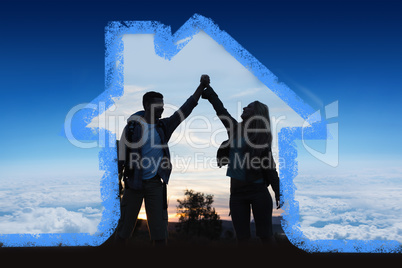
(205, 81)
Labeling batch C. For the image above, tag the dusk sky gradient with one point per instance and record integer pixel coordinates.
(53, 59)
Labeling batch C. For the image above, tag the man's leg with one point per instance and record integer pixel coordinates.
(130, 207)
(156, 214)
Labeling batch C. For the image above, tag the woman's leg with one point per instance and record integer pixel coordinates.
(262, 211)
(240, 212)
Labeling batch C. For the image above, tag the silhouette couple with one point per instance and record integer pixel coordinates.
(145, 167)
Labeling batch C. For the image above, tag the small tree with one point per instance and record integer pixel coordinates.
(197, 216)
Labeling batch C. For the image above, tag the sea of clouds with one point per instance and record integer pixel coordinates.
(55, 204)
(364, 204)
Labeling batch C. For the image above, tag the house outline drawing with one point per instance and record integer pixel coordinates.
(167, 45)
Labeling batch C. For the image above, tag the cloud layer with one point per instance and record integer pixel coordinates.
(360, 205)
(50, 220)
(55, 204)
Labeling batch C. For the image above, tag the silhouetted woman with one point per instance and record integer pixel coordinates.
(251, 167)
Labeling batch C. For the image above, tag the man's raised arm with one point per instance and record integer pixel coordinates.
(185, 110)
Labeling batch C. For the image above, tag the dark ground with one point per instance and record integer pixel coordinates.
(189, 252)
(140, 236)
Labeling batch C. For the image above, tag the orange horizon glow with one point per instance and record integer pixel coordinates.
(223, 214)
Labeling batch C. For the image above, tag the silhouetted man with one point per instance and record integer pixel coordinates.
(145, 164)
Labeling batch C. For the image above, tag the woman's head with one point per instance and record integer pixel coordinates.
(257, 124)
(255, 108)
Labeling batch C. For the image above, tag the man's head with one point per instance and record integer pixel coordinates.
(153, 104)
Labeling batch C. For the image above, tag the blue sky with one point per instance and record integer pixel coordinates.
(53, 59)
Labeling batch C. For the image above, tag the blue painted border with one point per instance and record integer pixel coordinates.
(166, 48)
